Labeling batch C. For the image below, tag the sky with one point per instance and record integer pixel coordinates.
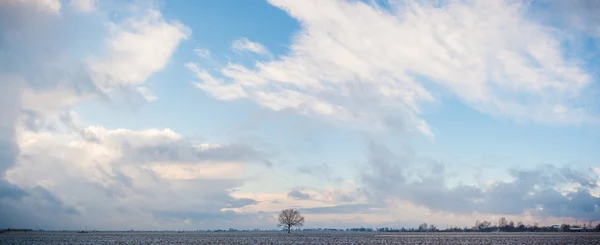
(218, 114)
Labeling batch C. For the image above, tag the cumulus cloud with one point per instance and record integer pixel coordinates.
(53, 169)
(137, 48)
(358, 63)
(539, 191)
(119, 169)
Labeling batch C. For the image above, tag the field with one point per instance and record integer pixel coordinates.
(297, 238)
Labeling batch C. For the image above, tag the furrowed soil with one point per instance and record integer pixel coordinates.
(295, 238)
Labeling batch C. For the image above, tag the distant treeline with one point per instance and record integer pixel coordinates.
(15, 230)
(483, 226)
(502, 225)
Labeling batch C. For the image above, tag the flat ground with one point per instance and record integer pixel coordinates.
(296, 238)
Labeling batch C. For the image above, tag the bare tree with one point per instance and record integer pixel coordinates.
(484, 224)
(520, 225)
(289, 218)
(432, 227)
(502, 222)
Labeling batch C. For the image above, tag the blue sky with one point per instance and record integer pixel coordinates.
(232, 108)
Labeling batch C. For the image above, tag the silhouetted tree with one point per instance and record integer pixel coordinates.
(502, 222)
(598, 227)
(289, 218)
(423, 227)
(432, 227)
(520, 225)
(484, 224)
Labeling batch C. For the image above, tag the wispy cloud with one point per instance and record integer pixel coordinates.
(202, 52)
(391, 64)
(245, 45)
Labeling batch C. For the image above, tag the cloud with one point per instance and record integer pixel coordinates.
(10, 109)
(340, 209)
(84, 6)
(137, 48)
(361, 65)
(71, 174)
(242, 202)
(53, 169)
(322, 170)
(297, 194)
(245, 45)
(47, 6)
(539, 191)
(148, 95)
(201, 52)
(216, 87)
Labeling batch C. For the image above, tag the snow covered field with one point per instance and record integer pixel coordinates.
(297, 238)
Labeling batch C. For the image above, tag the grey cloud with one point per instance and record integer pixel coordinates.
(297, 194)
(390, 175)
(8, 190)
(184, 151)
(24, 208)
(322, 170)
(212, 220)
(573, 15)
(33, 46)
(68, 121)
(342, 197)
(9, 109)
(341, 209)
(242, 202)
(55, 205)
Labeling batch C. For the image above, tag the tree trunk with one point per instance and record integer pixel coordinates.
(289, 229)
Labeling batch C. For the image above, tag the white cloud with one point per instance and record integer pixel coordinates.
(147, 93)
(137, 48)
(83, 6)
(350, 56)
(48, 6)
(64, 169)
(186, 171)
(216, 86)
(243, 44)
(202, 52)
